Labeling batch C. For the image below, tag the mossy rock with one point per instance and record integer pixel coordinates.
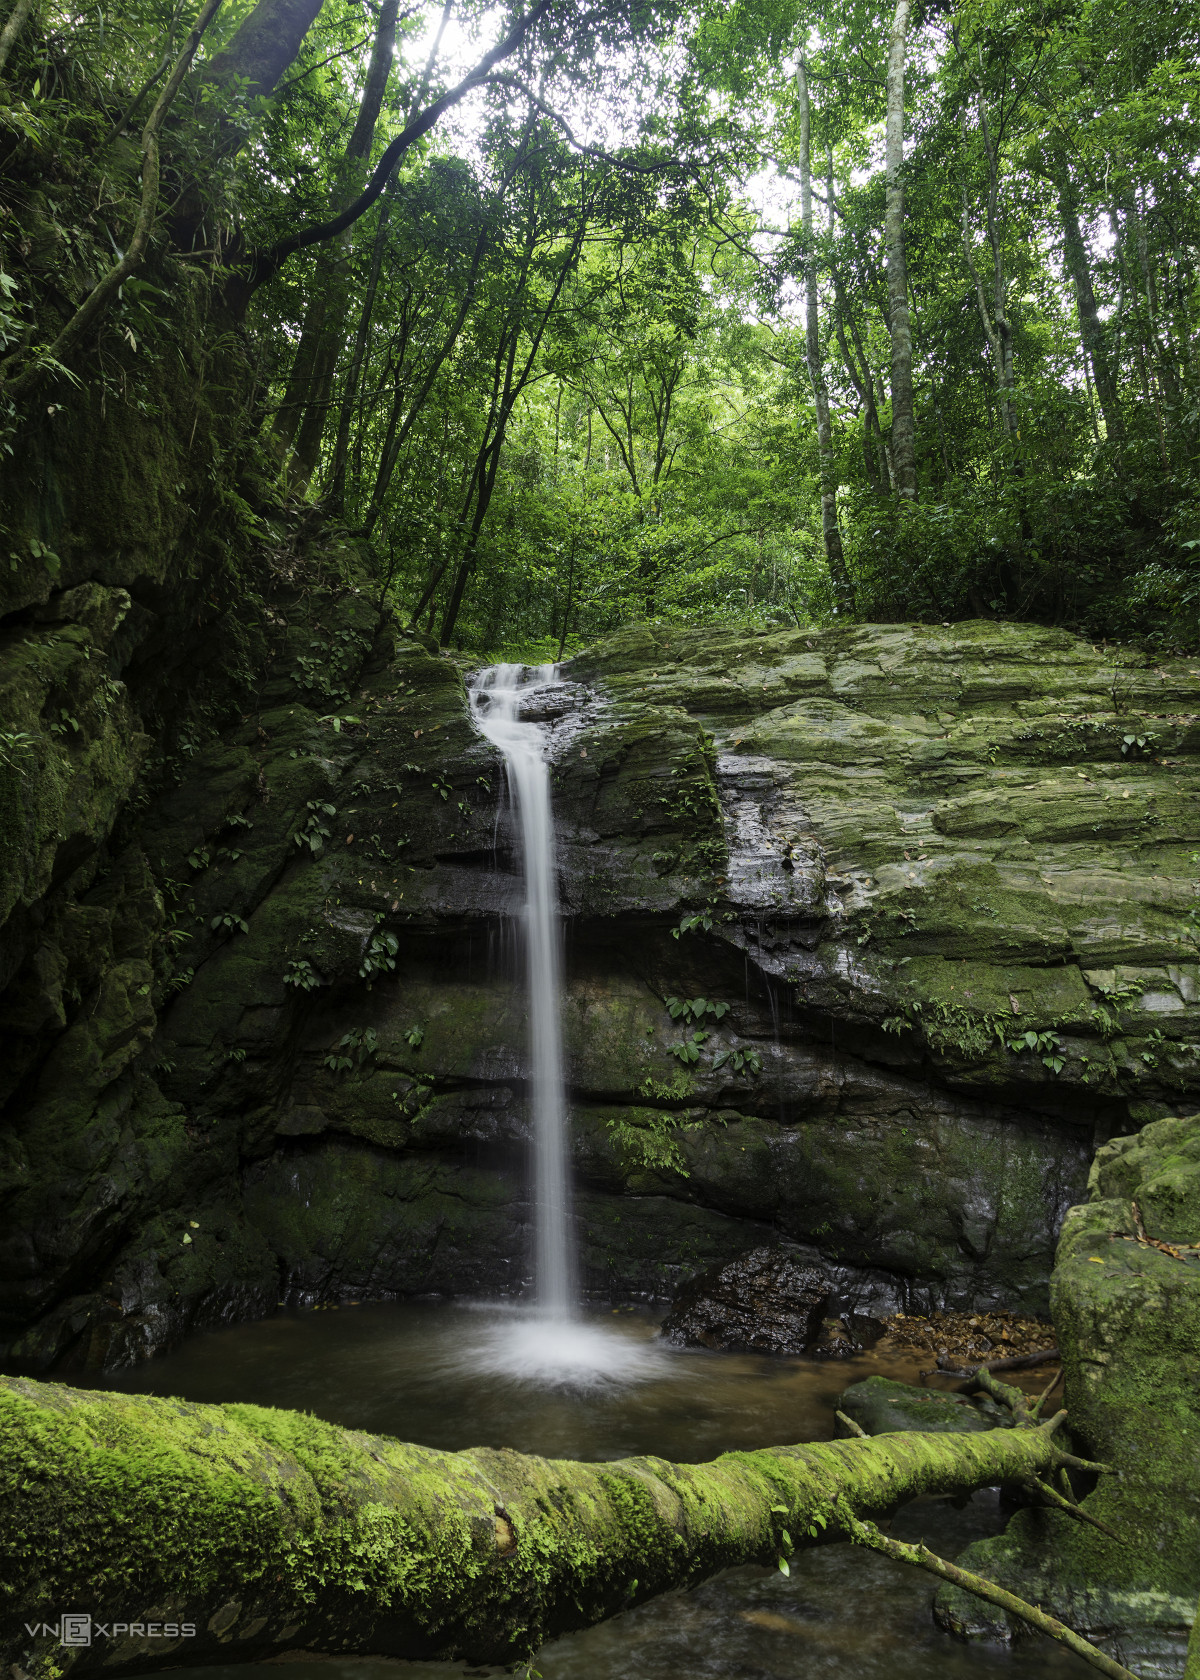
(879, 1405)
(1128, 1321)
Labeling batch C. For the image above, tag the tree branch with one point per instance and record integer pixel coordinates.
(866, 1534)
(263, 265)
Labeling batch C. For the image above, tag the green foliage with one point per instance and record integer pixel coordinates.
(549, 390)
(697, 921)
(230, 922)
(739, 1061)
(695, 1009)
(353, 1049)
(17, 747)
(315, 829)
(689, 1049)
(649, 1140)
(379, 957)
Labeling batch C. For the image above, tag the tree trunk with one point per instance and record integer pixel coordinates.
(1005, 375)
(904, 438)
(251, 66)
(300, 378)
(1091, 328)
(336, 497)
(333, 261)
(12, 28)
(831, 534)
(266, 1531)
(264, 46)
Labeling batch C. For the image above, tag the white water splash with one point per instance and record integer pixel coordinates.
(530, 1347)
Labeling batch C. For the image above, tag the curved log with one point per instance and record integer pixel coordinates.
(196, 1533)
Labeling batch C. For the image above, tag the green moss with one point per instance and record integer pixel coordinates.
(270, 1529)
(1128, 1321)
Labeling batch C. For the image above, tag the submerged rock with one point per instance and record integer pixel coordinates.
(880, 1406)
(767, 1301)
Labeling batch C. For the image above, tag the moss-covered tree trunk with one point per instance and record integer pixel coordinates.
(268, 1531)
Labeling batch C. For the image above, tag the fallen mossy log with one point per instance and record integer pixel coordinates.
(198, 1533)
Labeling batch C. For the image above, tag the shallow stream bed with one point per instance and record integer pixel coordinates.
(443, 1375)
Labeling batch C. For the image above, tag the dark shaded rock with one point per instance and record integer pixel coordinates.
(766, 1300)
(547, 705)
(836, 1341)
(881, 1406)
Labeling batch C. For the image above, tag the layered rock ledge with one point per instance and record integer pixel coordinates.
(266, 1035)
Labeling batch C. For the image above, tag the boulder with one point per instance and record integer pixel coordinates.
(880, 1406)
(767, 1301)
(1125, 1296)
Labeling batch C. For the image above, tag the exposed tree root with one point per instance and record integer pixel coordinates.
(866, 1534)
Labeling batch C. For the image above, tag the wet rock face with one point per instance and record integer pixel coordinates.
(874, 933)
(766, 1301)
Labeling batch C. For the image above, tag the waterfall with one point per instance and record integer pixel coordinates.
(496, 699)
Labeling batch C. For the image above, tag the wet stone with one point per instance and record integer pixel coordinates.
(766, 1301)
(880, 1406)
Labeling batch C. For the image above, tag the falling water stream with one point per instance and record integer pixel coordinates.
(496, 701)
(554, 1345)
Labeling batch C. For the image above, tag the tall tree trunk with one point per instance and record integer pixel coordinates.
(831, 534)
(300, 378)
(332, 265)
(262, 1531)
(1091, 328)
(251, 66)
(862, 376)
(336, 499)
(514, 383)
(1006, 378)
(263, 47)
(337, 477)
(990, 326)
(12, 28)
(904, 436)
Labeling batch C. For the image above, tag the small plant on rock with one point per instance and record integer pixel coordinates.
(315, 831)
(695, 1009)
(230, 921)
(356, 1046)
(689, 1050)
(740, 1061)
(379, 957)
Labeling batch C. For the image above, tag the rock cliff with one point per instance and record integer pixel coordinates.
(874, 934)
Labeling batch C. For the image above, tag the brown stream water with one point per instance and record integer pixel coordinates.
(423, 1371)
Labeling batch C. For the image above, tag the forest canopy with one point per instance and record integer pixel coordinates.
(577, 313)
